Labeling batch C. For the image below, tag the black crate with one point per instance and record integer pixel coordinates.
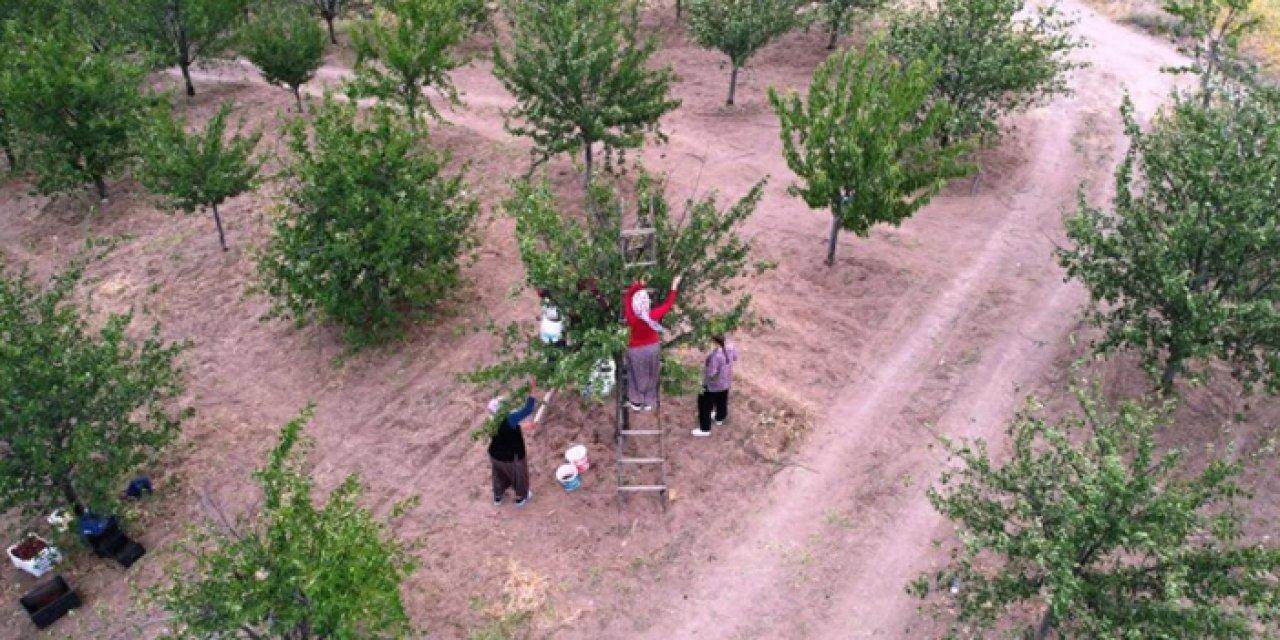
(47, 603)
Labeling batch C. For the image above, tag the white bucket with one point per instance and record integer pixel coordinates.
(551, 327)
(567, 474)
(577, 456)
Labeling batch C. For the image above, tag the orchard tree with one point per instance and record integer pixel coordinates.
(1211, 34)
(80, 410)
(372, 228)
(200, 171)
(1183, 268)
(329, 10)
(581, 75)
(740, 28)
(992, 62)
(1087, 523)
(575, 260)
(185, 31)
(286, 45)
(297, 569)
(79, 112)
(863, 140)
(839, 14)
(406, 47)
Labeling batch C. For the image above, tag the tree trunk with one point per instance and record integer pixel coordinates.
(297, 95)
(101, 185)
(835, 33)
(69, 494)
(1045, 626)
(679, 9)
(13, 160)
(1171, 368)
(217, 220)
(733, 84)
(831, 243)
(411, 105)
(328, 18)
(184, 59)
(186, 75)
(586, 156)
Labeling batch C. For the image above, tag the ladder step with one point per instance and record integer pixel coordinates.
(640, 460)
(646, 263)
(641, 432)
(644, 487)
(643, 231)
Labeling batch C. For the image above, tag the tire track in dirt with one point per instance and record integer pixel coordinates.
(789, 575)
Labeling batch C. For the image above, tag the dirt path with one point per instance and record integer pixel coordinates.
(837, 540)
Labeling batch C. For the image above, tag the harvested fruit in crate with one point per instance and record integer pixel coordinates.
(29, 548)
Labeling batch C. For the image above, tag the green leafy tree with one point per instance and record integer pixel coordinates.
(298, 569)
(80, 112)
(1211, 34)
(372, 228)
(200, 171)
(1107, 537)
(993, 62)
(581, 75)
(839, 14)
(286, 45)
(577, 263)
(80, 410)
(863, 141)
(740, 28)
(101, 24)
(407, 47)
(1184, 266)
(185, 31)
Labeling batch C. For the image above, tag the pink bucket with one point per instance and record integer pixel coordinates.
(577, 456)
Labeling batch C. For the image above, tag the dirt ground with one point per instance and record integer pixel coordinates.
(804, 518)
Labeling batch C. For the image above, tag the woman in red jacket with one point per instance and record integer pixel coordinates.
(644, 349)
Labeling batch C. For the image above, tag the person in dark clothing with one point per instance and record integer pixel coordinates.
(717, 376)
(507, 454)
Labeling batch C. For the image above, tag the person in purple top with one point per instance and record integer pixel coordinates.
(506, 451)
(717, 376)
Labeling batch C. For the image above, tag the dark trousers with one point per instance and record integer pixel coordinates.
(510, 475)
(709, 401)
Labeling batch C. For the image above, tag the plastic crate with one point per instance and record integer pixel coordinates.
(47, 603)
(39, 565)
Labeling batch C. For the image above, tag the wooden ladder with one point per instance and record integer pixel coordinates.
(637, 433)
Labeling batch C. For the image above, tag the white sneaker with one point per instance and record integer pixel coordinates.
(719, 423)
(699, 433)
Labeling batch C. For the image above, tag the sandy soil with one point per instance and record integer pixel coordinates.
(940, 326)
